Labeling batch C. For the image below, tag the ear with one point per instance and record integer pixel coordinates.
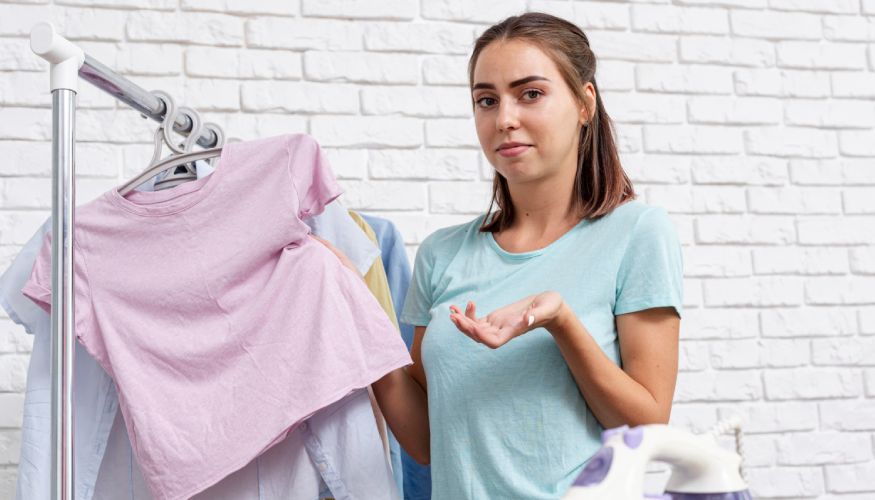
(587, 108)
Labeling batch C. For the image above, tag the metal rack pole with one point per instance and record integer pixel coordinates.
(67, 64)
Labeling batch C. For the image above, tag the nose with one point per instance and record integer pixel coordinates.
(507, 117)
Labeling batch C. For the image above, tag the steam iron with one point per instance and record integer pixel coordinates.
(700, 468)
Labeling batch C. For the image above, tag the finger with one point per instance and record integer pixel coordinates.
(463, 324)
(455, 310)
(471, 311)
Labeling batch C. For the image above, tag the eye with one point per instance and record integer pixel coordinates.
(532, 94)
(485, 102)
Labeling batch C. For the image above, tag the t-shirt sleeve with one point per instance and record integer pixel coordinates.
(38, 287)
(420, 294)
(651, 272)
(311, 175)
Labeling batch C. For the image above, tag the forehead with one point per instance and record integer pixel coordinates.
(502, 62)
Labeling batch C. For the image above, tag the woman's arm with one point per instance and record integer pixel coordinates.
(402, 397)
(641, 391)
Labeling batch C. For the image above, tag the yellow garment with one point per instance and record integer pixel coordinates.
(375, 278)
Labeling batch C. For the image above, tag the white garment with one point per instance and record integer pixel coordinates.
(95, 399)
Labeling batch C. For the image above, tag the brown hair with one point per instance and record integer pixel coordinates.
(600, 184)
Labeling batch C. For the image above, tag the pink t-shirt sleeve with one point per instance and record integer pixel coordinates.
(38, 287)
(311, 175)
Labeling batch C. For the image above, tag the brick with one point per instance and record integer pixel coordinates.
(276, 7)
(814, 55)
(858, 201)
(13, 338)
(863, 260)
(692, 139)
(694, 417)
(558, 8)
(852, 28)
(658, 169)
(857, 143)
(751, 353)
(744, 4)
(640, 108)
(361, 9)
(13, 372)
(17, 89)
(723, 51)
(867, 321)
(870, 382)
(149, 59)
(348, 163)
(26, 192)
(417, 101)
(299, 97)
(767, 482)
(702, 199)
(451, 133)
(796, 260)
(16, 227)
(753, 292)
(718, 386)
(868, 6)
(15, 55)
(785, 83)
(437, 164)
(416, 227)
(435, 38)
(236, 63)
(692, 293)
(617, 76)
(25, 124)
(601, 16)
(791, 142)
(10, 447)
(812, 383)
(850, 478)
(844, 352)
(629, 139)
(384, 195)
(693, 356)
(126, 4)
(719, 324)
(11, 409)
(361, 67)
(211, 94)
(367, 131)
(200, 28)
(794, 200)
(836, 114)
(847, 230)
(743, 111)
(487, 11)
(855, 415)
(459, 197)
(304, 34)
(706, 262)
(853, 85)
(670, 19)
(764, 230)
(796, 323)
(755, 170)
(833, 7)
(839, 290)
(768, 417)
(775, 25)
(687, 79)
(636, 47)
(445, 70)
(262, 124)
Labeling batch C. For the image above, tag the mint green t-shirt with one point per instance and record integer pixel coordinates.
(510, 423)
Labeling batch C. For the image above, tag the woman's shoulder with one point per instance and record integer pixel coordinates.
(450, 238)
(635, 214)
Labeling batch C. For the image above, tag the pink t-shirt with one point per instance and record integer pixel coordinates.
(222, 323)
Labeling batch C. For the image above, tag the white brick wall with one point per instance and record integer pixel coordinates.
(751, 121)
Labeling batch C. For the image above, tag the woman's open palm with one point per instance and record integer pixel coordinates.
(500, 326)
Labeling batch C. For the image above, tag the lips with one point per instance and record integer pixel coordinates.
(510, 149)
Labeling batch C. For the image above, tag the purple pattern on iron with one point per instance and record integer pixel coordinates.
(607, 433)
(633, 437)
(734, 495)
(597, 468)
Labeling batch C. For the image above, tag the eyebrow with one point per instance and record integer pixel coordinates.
(515, 83)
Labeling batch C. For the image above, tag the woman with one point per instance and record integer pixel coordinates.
(580, 279)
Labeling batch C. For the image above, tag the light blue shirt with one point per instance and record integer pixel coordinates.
(511, 423)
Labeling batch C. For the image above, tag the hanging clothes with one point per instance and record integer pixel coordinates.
(96, 402)
(417, 477)
(260, 319)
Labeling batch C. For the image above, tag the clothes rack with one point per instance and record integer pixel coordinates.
(68, 63)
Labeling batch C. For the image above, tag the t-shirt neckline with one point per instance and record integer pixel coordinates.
(490, 237)
(169, 201)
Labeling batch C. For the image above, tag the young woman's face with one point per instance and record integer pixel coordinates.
(528, 121)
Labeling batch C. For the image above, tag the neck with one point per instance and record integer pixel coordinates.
(544, 205)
